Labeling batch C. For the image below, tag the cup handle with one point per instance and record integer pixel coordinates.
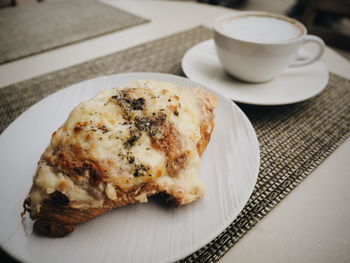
(309, 60)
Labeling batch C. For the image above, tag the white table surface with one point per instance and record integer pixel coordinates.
(312, 224)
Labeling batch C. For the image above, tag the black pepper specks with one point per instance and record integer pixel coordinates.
(151, 125)
(131, 141)
(140, 170)
(128, 103)
(138, 104)
(137, 173)
(103, 128)
(131, 159)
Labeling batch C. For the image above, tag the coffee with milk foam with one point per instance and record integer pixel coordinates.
(260, 29)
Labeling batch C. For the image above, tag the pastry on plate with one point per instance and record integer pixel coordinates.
(120, 147)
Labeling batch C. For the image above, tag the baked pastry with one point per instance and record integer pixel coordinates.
(121, 147)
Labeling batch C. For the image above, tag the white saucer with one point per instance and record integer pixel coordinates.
(201, 64)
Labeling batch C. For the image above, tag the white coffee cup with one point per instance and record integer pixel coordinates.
(258, 46)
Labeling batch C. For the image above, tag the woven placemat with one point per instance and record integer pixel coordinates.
(294, 139)
(33, 28)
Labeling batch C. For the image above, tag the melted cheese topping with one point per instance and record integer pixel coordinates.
(116, 129)
(47, 182)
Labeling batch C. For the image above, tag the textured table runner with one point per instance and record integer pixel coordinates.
(294, 139)
(33, 28)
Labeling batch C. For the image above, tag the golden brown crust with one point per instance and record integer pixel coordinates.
(207, 125)
(205, 137)
(58, 218)
(58, 221)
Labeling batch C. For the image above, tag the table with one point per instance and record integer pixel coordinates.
(311, 224)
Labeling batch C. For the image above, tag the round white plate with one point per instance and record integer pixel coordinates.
(136, 233)
(295, 84)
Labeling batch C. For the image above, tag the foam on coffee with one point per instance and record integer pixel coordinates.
(261, 29)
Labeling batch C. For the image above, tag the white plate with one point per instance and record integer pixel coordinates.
(140, 232)
(296, 84)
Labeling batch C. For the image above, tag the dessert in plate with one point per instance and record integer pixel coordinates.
(120, 147)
